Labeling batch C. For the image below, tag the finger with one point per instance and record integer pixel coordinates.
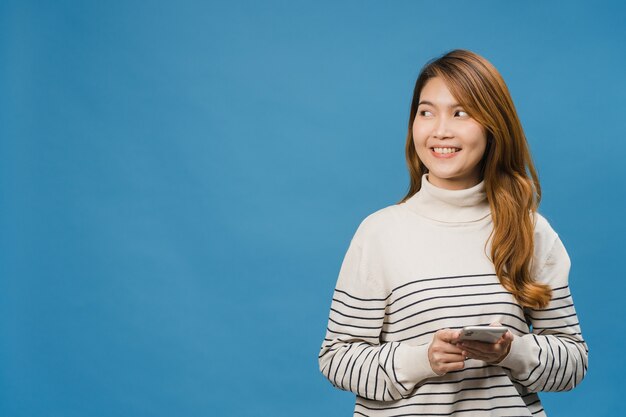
(508, 336)
(440, 348)
(478, 346)
(479, 356)
(450, 348)
(505, 340)
(475, 354)
(448, 335)
(444, 347)
(491, 355)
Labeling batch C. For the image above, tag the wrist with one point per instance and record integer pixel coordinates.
(504, 354)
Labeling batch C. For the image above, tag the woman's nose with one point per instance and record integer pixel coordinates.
(441, 128)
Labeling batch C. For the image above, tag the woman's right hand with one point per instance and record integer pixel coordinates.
(443, 354)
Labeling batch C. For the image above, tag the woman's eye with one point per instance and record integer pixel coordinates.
(462, 113)
(423, 113)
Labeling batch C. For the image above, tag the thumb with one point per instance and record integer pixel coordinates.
(449, 335)
(508, 336)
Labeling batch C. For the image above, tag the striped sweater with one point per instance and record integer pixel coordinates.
(422, 265)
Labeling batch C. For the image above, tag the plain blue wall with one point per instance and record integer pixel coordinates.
(179, 182)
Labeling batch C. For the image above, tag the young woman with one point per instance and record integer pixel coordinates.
(465, 247)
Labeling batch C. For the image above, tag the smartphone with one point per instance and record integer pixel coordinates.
(488, 334)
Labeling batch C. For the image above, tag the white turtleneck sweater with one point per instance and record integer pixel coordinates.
(422, 265)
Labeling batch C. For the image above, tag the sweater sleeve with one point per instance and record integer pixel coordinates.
(554, 356)
(352, 356)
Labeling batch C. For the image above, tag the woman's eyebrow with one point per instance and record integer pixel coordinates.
(431, 104)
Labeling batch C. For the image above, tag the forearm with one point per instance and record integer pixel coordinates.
(383, 372)
(547, 362)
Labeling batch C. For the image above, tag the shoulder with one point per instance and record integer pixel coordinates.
(545, 237)
(544, 233)
(379, 223)
(548, 248)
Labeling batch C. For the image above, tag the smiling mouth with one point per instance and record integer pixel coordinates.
(444, 151)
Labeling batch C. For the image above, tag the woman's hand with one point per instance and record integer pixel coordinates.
(443, 353)
(491, 353)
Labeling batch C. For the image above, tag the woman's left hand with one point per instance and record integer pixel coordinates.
(491, 353)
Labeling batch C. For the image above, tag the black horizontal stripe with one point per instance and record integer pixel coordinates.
(575, 342)
(340, 340)
(358, 308)
(559, 334)
(356, 317)
(537, 401)
(396, 407)
(469, 378)
(439, 297)
(356, 336)
(419, 281)
(362, 299)
(556, 327)
(448, 414)
(560, 288)
(442, 288)
(455, 306)
(354, 325)
(554, 308)
(427, 394)
(553, 318)
(568, 295)
(325, 351)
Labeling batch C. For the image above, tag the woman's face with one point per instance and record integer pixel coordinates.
(449, 142)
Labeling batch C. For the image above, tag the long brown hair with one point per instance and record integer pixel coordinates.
(511, 181)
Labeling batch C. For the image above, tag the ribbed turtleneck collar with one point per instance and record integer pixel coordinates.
(450, 206)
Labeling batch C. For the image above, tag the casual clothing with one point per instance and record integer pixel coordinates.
(423, 265)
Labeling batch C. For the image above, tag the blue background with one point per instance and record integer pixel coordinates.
(179, 182)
